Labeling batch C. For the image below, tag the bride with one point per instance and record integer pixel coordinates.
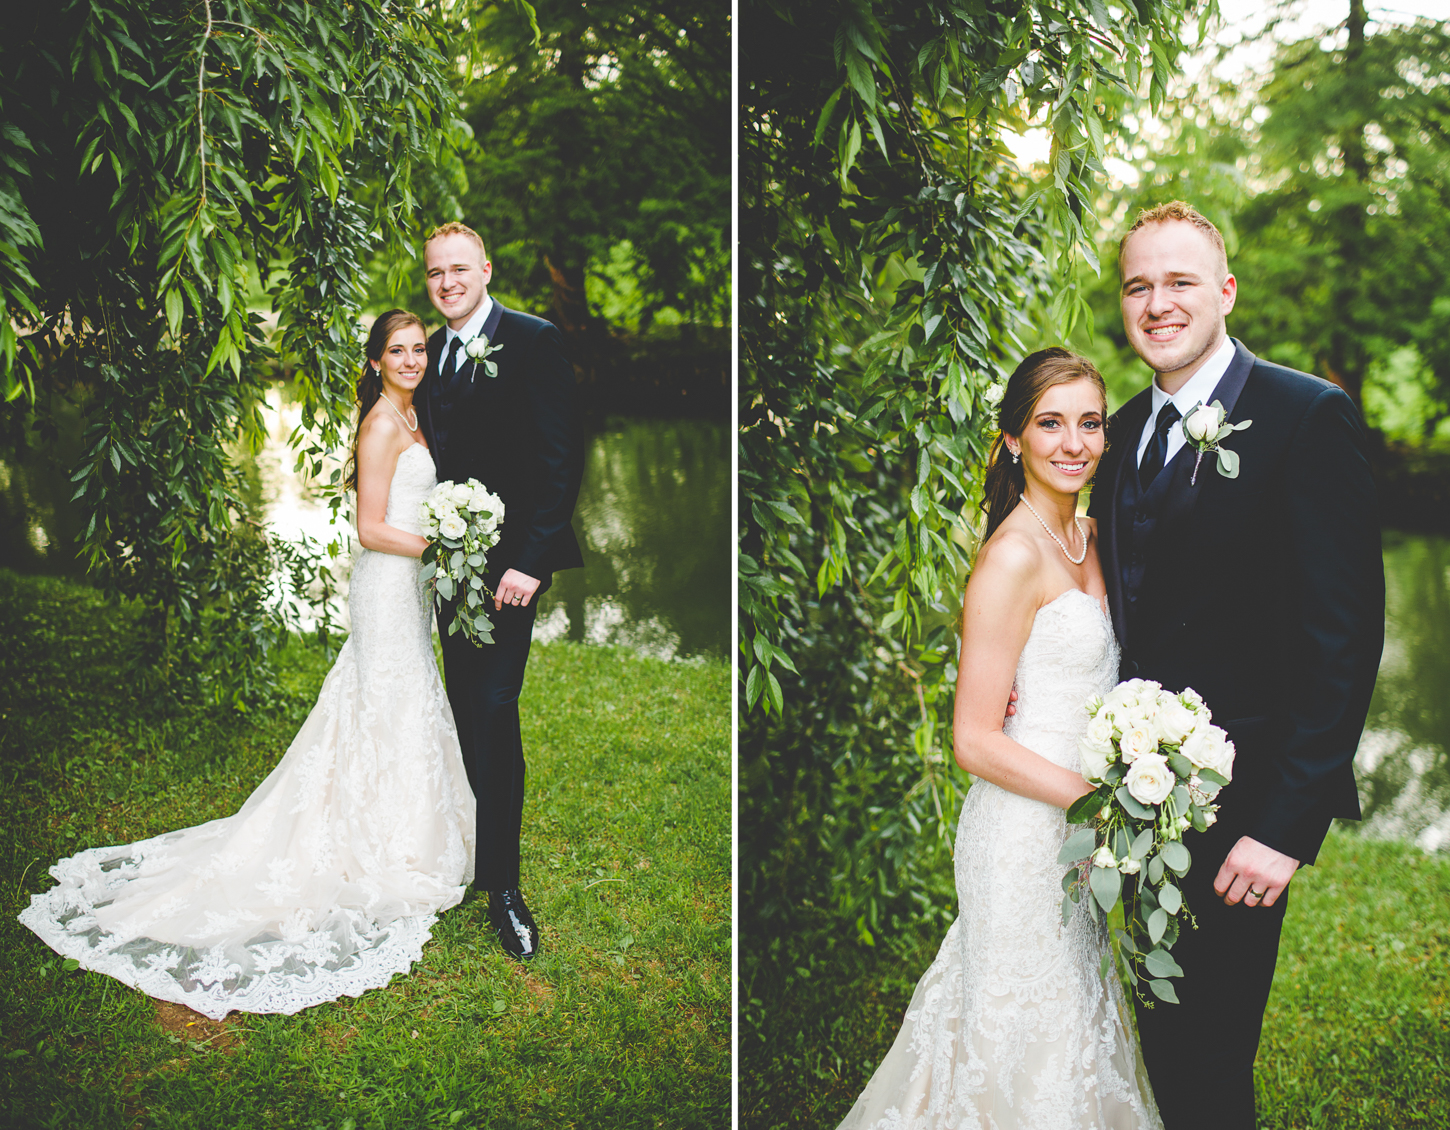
(328, 879)
(1013, 1026)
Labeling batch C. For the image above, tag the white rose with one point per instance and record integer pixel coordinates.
(1176, 722)
(477, 347)
(1100, 730)
(1094, 704)
(1138, 741)
(459, 494)
(1208, 747)
(1202, 424)
(452, 526)
(1104, 857)
(993, 393)
(1193, 700)
(1095, 758)
(1130, 867)
(1149, 779)
(1116, 699)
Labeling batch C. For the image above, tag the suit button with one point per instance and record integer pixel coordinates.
(1131, 667)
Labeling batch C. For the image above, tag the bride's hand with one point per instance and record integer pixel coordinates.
(1011, 706)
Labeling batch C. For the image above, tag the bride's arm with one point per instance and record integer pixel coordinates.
(378, 447)
(1002, 598)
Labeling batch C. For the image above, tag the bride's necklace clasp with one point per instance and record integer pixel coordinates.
(1076, 521)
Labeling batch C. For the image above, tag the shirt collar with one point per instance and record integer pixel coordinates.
(471, 328)
(1199, 387)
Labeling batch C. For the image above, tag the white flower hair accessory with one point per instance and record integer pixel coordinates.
(1206, 427)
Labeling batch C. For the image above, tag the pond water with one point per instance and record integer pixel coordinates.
(1404, 776)
(653, 520)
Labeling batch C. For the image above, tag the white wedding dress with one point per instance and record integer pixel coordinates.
(328, 879)
(1012, 1027)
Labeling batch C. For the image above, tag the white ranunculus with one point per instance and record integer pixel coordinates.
(1176, 722)
(1208, 747)
(1104, 857)
(1202, 424)
(1130, 867)
(452, 526)
(1138, 740)
(1095, 757)
(1149, 779)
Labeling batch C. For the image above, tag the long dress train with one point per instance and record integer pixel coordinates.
(329, 878)
(1013, 1027)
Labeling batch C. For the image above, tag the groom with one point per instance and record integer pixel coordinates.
(516, 433)
(1265, 593)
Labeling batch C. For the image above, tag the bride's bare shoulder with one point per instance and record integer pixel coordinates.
(1008, 564)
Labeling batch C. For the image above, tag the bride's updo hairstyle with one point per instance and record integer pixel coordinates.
(1037, 373)
(370, 380)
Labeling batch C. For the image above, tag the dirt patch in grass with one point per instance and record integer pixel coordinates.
(180, 1021)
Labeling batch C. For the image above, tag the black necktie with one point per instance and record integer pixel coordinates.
(1157, 451)
(450, 366)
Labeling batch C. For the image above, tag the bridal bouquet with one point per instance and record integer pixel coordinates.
(1157, 762)
(461, 521)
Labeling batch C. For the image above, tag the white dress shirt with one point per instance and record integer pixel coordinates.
(471, 329)
(1198, 387)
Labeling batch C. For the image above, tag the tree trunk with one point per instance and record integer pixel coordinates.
(1346, 361)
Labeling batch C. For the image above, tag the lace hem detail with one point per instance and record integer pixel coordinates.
(209, 982)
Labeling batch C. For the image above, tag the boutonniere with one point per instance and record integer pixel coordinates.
(479, 349)
(1205, 427)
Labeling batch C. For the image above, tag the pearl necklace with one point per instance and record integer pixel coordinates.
(413, 427)
(1076, 521)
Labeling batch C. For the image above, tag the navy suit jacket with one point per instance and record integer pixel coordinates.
(518, 434)
(1264, 593)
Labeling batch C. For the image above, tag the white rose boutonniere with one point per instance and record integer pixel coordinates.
(479, 350)
(1206, 427)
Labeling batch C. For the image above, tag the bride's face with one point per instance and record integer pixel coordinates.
(1063, 439)
(404, 360)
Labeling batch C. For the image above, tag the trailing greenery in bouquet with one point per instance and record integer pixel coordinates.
(461, 521)
(1157, 762)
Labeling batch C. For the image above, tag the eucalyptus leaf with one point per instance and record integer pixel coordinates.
(1213, 777)
(1133, 806)
(1180, 765)
(1069, 881)
(1161, 964)
(1228, 463)
(1155, 869)
(1078, 846)
(1106, 884)
(1067, 908)
(1176, 856)
(1163, 990)
(1142, 845)
(1157, 923)
(1170, 898)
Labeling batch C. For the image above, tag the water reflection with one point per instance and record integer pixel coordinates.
(653, 519)
(654, 522)
(1404, 777)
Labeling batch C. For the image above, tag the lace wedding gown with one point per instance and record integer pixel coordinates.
(328, 879)
(1012, 1027)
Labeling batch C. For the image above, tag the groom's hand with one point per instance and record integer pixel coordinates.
(514, 588)
(1254, 873)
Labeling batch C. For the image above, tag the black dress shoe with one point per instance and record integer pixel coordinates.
(515, 925)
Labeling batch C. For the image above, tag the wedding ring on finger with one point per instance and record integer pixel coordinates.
(1257, 894)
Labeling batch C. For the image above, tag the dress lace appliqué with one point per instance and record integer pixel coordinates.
(329, 878)
(1012, 1027)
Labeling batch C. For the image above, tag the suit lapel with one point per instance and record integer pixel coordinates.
(1129, 427)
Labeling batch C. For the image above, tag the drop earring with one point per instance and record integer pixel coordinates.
(1014, 457)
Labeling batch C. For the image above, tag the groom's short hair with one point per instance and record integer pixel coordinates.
(453, 227)
(1186, 213)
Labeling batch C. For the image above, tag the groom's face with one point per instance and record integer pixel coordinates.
(458, 277)
(1176, 294)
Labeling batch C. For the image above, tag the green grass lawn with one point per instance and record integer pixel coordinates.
(621, 1021)
(1356, 1036)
